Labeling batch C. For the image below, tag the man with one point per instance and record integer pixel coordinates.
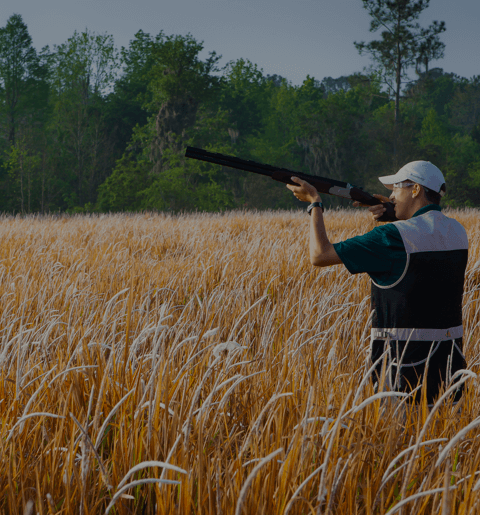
(417, 266)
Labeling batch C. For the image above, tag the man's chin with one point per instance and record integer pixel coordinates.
(398, 212)
(400, 215)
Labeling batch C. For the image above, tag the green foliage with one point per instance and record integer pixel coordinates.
(124, 107)
(464, 108)
(23, 170)
(403, 43)
(178, 71)
(434, 140)
(333, 130)
(475, 133)
(138, 61)
(182, 185)
(85, 65)
(88, 128)
(440, 93)
(461, 171)
(23, 88)
(121, 190)
(84, 69)
(245, 97)
(187, 186)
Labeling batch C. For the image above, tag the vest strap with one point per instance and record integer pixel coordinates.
(428, 335)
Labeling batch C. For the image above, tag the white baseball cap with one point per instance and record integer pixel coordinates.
(421, 172)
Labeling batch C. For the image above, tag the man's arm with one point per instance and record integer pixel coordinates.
(322, 252)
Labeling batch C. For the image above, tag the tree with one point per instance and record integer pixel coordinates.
(22, 73)
(120, 192)
(179, 87)
(276, 79)
(475, 133)
(179, 83)
(244, 97)
(435, 89)
(465, 105)
(430, 49)
(126, 106)
(434, 139)
(84, 72)
(332, 129)
(178, 72)
(402, 42)
(24, 167)
(332, 85)
(462, 172)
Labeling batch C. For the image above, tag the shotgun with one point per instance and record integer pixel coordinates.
(322, 184)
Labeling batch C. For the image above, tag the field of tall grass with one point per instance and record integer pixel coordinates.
(199, 364)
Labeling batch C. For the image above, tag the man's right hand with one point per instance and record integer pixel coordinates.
(378, 210)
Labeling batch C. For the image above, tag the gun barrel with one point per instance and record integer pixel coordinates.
(230, 161)
(279, 174)
(323, 185)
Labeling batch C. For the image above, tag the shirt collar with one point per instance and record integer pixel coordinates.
(426, 209)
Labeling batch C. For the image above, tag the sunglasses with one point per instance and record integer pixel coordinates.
(403, 184)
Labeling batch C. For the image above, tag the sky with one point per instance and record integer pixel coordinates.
(291, 38)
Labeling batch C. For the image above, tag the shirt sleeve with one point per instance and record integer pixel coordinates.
(379, 251)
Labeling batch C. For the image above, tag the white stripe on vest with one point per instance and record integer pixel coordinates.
(427, 335)
(432, 232)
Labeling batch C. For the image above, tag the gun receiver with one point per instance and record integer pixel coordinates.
(322, 184)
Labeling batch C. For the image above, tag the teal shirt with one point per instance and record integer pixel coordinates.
(380, 253)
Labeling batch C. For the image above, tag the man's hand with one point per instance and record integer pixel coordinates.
(378, 210)
(304, 191)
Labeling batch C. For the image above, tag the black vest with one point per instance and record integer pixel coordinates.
(425, 304)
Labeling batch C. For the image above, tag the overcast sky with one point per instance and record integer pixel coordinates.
(291, 38)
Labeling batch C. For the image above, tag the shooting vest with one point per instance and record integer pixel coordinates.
(425, 304)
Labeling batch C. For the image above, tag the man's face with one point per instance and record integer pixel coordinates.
(402, 198)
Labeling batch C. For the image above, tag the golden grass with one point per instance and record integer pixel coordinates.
(110, 331)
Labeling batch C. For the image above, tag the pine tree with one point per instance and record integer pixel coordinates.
(402, 42)
(21, 71)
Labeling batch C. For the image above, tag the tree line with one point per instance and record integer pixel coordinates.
(85, 127)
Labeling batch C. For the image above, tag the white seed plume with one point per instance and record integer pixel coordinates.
(148, 464)
(243, 492)
(120, 493)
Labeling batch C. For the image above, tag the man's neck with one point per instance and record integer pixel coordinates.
(418, 205)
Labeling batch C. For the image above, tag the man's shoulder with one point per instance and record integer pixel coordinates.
(376, 252)
(382, 239)
(385, 234)
(432, 230)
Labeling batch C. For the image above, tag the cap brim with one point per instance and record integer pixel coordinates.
(389, 180)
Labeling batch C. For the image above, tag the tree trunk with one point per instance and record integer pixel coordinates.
(42, 205)
(21, 184)
(29, 192)
(397, 98)
(11, 132)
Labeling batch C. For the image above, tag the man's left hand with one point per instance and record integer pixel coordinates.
(304, 191)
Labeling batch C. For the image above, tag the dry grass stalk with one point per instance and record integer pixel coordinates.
(204, 342)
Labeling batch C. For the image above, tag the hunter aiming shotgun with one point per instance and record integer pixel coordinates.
(416, 265)
(321, 184)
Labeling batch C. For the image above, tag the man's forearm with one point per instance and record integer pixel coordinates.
(319, 242)
(322, 252)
